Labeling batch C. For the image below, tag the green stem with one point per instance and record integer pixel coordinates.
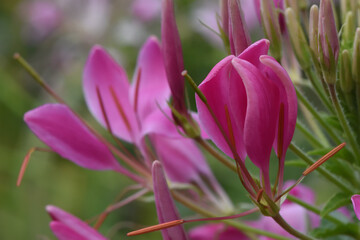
(328, 175)
(316, 143)
(314, 81)
(290, 229)
(344, 123)
(317, 116)
(243, 227)
(312, 209)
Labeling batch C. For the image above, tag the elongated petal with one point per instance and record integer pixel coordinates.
(261, 111)
(165, 207)
(239, 35)
(150, 88)
(181, 158)
(58, 127)
(172, 52)
(356, 204)
(287, 97)
(68, 227)
(102, 72)
(215, 87)
(218, 231)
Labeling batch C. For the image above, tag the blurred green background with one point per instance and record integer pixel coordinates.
(55, 37)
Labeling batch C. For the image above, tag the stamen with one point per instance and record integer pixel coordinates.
(120, 109)
(138, 78)
(26, 162)
(259, 195)
(323, 159)
(156, 227)
(231, 132)
(103, 111)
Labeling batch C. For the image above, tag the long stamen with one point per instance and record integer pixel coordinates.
(156, 227)
(182, 221)
(26, 162)
(230, 129)
(323, 159)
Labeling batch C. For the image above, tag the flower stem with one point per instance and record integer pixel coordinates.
(328, 175)
(317, 116)
(312, 208)
(316, 143)
(344, 123)
(277, 218)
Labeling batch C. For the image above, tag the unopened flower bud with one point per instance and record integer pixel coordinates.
(328, 41)
(348, 31)
(172, 53)
(346, 81)
(356, 57)
(298, 39)
(239, 36)
(347, 6)
(269, 18)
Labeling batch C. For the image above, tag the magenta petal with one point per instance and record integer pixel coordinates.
(181, 158)
(254, 51)
(58, 127)
(150, 87)
(215, 88)
(287, 98)
(165, 207)
(102, 72)
(356, 204)
(261, 112)
(68, 227)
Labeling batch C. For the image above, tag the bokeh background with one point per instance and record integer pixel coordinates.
(55, 36)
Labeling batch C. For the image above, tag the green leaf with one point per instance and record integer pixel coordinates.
(335, 202)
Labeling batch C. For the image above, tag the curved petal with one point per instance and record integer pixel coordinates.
(215, 88)
(261, 111)
(68, 227)
(181, 158)
(58, 127)
(356, 204)
(165, 207)
(287, 97)
(254, 51)
(103, 73)
(150, 87)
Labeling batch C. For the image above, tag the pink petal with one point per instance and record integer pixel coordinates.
(165, 207)
(218, 231)
(172, 53)
(153, 89)
(254, 51)
(58, 127)
(102, 72)
(181, 158)
(67, 227)
(356, 204)
(215, 87)
(261, 111)
(287, 97)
